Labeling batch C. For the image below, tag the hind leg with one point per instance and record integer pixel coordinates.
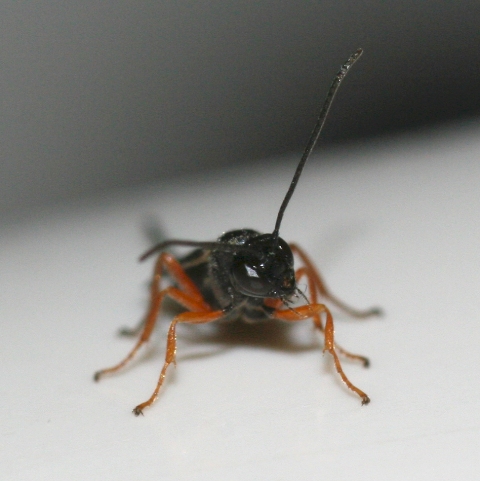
(322, 289)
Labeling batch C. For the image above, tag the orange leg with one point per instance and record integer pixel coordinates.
(324, 292)
(186, 294)
(304, 271)
(314, 311)
(190, 317)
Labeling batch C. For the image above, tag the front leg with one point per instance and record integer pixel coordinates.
(305, 272)
(192, 318)
(314, 311)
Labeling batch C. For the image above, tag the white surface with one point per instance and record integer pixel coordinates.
(394, 225)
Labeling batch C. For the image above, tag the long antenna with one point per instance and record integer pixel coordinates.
(315, 134)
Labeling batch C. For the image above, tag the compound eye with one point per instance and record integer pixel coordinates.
(249, 281)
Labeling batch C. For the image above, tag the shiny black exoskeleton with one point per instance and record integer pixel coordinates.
(244, 268)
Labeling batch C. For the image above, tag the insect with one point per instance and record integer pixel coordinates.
(245, 275)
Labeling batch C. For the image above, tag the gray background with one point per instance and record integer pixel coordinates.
(98, 95)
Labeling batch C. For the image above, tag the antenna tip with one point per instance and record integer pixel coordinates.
(346, 66)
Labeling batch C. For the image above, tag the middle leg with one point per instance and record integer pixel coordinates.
(186, 294)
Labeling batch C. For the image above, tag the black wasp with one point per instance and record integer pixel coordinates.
(245, 275)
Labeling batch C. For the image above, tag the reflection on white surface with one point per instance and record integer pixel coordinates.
(395, 225)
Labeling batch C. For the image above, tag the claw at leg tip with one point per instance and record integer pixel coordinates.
(137, 411)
